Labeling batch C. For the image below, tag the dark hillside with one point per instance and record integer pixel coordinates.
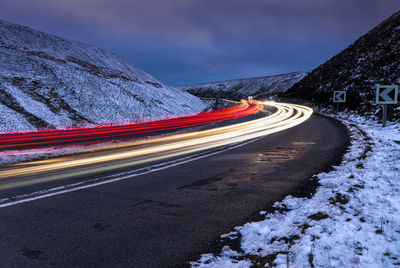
(371, 60)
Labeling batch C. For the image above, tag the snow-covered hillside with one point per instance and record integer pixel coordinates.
(352, 220)
(50, 82)
(371, 60)
(242, 88)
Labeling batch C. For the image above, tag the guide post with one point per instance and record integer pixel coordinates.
(384, 115)
(338, 97)
(386, 95)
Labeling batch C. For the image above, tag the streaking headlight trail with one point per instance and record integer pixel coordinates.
(89, 135)
(146, 151)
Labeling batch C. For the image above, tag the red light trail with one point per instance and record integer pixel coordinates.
(79, 136)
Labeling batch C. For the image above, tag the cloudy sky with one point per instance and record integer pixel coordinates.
(183, 42)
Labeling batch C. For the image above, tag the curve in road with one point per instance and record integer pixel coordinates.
(143, 152)
(168, 217)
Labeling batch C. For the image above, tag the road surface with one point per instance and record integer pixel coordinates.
(168, 217)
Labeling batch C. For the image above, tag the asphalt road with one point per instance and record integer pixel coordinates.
(169, 217)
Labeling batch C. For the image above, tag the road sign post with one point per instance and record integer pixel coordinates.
(384, 115)
(338, 97)
(386, 95)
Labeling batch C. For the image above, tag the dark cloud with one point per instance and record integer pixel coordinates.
(188, 41)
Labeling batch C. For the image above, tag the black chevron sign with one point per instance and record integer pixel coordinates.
(339, 96)
(386, 94)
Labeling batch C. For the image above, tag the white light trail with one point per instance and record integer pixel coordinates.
(286, 116)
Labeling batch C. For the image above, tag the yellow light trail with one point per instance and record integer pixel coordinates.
(117, 156)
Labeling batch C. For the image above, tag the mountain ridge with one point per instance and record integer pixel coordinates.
(258, 87)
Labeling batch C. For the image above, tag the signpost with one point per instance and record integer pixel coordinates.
(338, 97)
(386, 95)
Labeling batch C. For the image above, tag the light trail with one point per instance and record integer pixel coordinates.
(85, 136)
(143, 152)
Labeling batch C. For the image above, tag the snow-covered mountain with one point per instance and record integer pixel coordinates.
(242, 88)
(50, 82)
(371, 60)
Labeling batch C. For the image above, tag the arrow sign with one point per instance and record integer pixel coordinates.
(386, 94)
(339, 96)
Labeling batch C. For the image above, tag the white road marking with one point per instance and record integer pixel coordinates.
(7, 202)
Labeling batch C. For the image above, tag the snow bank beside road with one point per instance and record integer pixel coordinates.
(353, 220)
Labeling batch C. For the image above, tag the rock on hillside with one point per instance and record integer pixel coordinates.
(371, 60)
(242, 88)
(50, 82)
